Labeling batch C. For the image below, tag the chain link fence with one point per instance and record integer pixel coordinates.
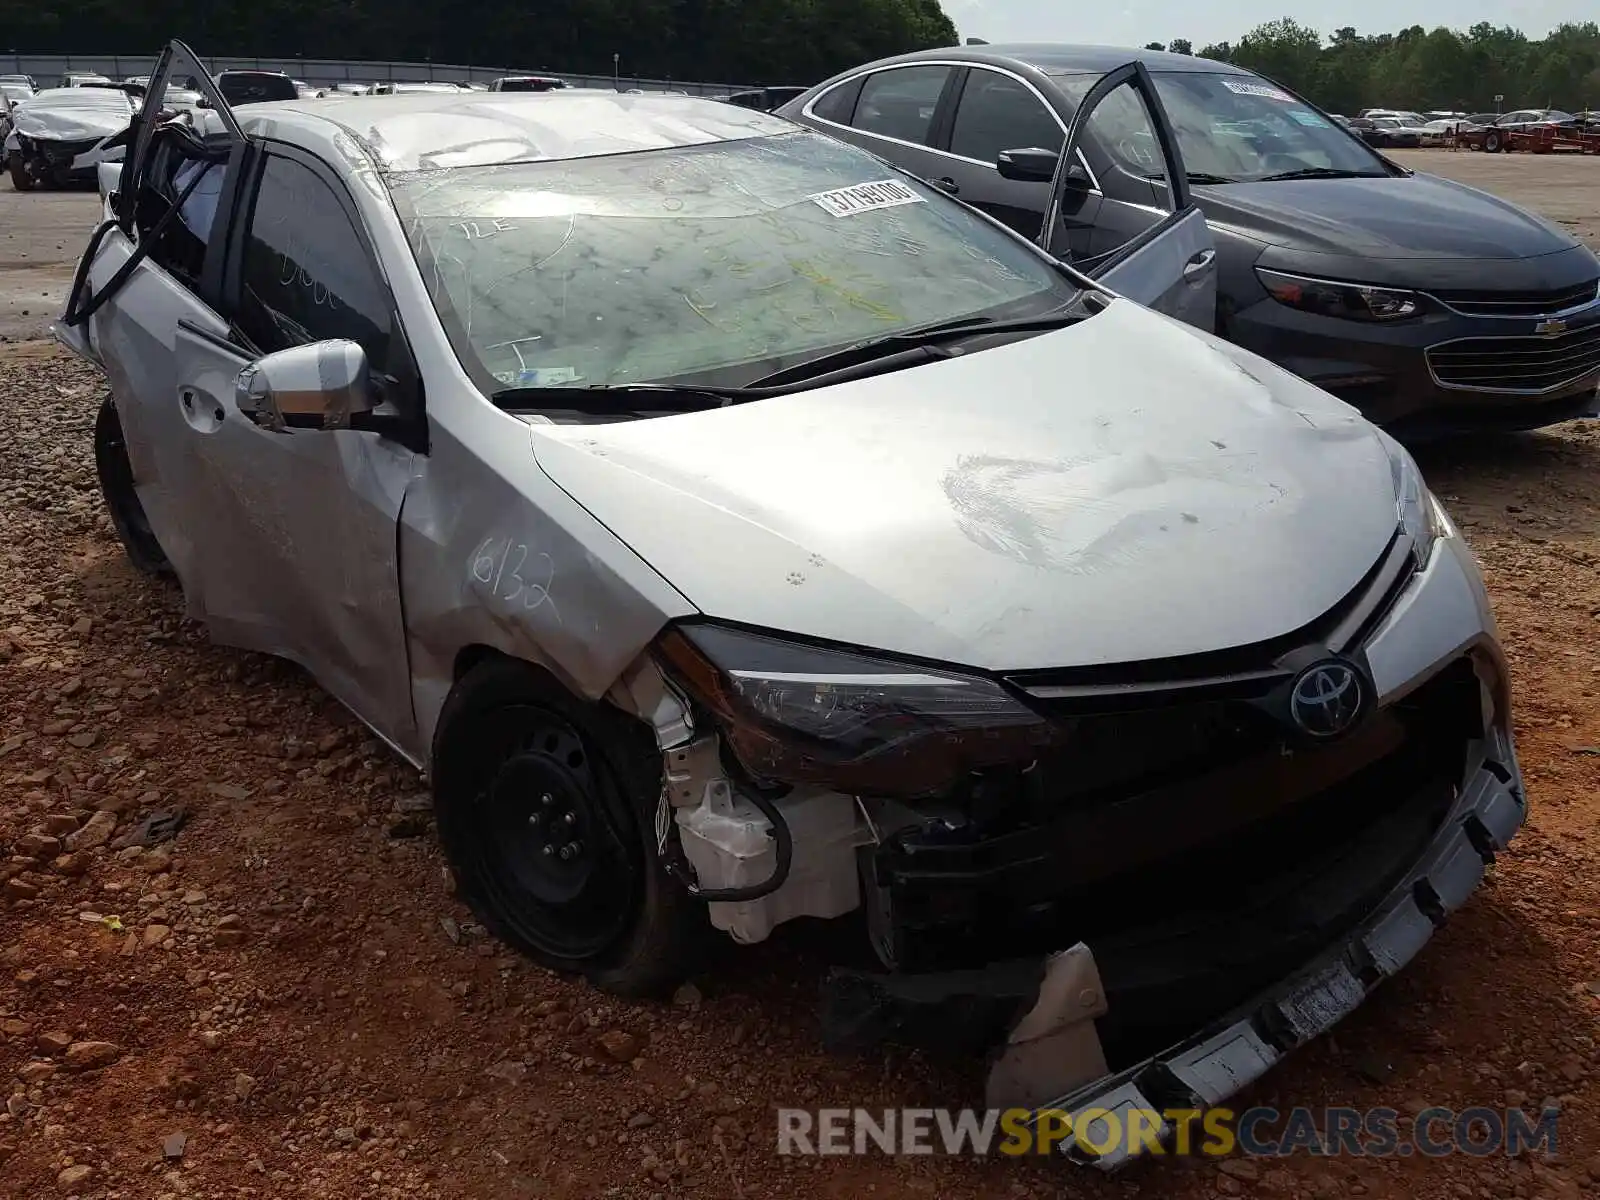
(47, 70)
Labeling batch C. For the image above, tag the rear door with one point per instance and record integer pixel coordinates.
(1146, 238)
(997, 111)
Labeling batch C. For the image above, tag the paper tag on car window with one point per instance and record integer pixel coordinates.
(538, 376)
(1301, 117)
(1242, 88)
(866, 197)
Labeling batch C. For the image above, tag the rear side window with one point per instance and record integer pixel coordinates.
(839, 104)
(255, 89)
(999, 113)
(307, 276)
(900, 102)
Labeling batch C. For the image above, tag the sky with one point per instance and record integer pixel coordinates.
(1135, 22)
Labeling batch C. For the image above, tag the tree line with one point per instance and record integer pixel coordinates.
(1421, 69)
(733, 41)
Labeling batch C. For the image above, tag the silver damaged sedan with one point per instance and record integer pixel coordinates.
(739, 530)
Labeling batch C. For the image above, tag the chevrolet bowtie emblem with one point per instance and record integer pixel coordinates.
(1551, 327)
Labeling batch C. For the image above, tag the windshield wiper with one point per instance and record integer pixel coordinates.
(928, 339)
(1321, 173)
(1200, 177)
(618, 399)
(879, 353)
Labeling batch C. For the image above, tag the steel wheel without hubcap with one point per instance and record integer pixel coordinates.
(520, 764)
(553, 856)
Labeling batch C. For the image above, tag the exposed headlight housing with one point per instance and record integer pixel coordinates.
(793, 713)
(1330, 298)
(1422, 517)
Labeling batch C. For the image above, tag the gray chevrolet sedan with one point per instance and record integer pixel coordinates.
(738, 530)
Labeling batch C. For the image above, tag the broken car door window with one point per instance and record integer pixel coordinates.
(307, 276)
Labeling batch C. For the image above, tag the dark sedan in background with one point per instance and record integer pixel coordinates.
(1387, 133)
(1431, 306)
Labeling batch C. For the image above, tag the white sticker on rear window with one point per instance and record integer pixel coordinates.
(1241, 88)
(866, 197)
(1302, 117)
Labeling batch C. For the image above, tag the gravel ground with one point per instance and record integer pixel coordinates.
(286, 1001)
(43, 235)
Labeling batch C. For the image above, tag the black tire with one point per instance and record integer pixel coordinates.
(115, 470)
(1492, 142)
(513, 756)
(21, 178)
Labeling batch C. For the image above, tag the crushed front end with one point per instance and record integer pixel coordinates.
(1131, 885)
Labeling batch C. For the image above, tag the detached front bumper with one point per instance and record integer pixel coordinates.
(1277, 903)
(1442, 614)
(73, 160)
(1213, 1065)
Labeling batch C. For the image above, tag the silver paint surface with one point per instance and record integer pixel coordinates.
(1117, 490)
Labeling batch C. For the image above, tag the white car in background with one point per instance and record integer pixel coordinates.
(61, 136)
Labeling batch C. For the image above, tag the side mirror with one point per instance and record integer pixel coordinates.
(1032, 165)
(202, 103)
(320, 386)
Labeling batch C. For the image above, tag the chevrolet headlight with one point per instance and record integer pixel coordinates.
(793, 713)
(1422, 517)
(1330, 298)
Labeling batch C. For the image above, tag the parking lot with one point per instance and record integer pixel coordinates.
(290, 984)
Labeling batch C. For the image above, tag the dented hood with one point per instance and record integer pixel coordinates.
(73, 114)
(1119, 490)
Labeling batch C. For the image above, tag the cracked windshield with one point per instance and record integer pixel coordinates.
(717, 263)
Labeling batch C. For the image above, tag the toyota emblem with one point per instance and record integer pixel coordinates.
(1326, 699)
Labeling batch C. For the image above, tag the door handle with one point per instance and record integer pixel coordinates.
(947, 185)
(1199, 264)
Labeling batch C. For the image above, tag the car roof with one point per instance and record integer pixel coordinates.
(417, 131)
(1052, 58)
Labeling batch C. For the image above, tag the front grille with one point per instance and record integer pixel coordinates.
(1197, 819)
(65, 152)
(1477, 303)
(1527, 365)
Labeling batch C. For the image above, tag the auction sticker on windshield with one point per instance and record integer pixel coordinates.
(1241, 88)
(866, 197)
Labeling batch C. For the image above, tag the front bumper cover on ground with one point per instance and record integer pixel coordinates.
(1226, 1057)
